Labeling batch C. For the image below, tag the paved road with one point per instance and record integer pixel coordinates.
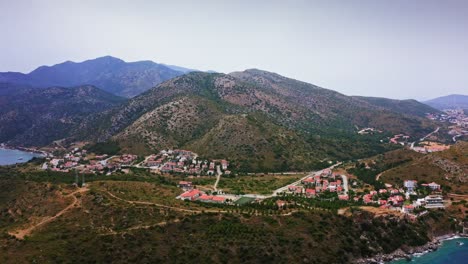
(218, 177)
(345, 184)
(284, 188)
(428, 135)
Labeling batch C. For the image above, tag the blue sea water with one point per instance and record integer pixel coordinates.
(12, 156)
(448, 253)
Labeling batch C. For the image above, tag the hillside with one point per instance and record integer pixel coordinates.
(34, 116)
(140, 221)
(448, 168)
(108, 73)
(260, 120)
(411, 107)
(449, 102)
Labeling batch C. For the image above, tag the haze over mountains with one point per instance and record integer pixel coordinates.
(287, 124)
(449, 102)
(111, 74)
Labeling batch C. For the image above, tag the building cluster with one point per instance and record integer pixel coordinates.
(369, 130)
(458, 121)
(79, 160)
(192, 194)
(314, 185)
(400, 199)
(185, 162)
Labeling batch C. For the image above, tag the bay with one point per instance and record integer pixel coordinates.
(13, 156)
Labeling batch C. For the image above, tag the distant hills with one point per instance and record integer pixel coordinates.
(111, 74)
(260, 120)
(35, 116)
(449, 102)
(408, 107)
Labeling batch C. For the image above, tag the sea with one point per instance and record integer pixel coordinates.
(13, 156)
(450, 252)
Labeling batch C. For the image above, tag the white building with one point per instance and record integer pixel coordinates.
(434, 201)
(410, 185)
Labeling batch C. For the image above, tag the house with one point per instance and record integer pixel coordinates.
(343, 197)
(382, 191)
(367, 198)
(280, 204)
(434, 201)
(326, 173)
(410, 185)
(382, 202)
(224, 164)
(407, 209)
(433, 186)
(218, 199)
(308, 181)
(310, 192)
(396, 200)
(191, 195)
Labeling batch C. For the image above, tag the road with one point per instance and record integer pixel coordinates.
(345, 184)
(218, 177)
(423, 138)
(284, 188)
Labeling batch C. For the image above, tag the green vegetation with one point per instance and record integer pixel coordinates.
(258, 184)
(109, 147)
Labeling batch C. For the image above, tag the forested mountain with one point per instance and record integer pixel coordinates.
(36, 116)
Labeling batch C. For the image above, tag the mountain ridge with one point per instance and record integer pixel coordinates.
(449, 102)
(288, 124)
(111, 74)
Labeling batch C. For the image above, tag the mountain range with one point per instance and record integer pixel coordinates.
(449, 102)
(111, 74)
(259, 120)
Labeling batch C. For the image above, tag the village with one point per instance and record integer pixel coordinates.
(327, 184)
(166, 161)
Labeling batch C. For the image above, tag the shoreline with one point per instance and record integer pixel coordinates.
(410, 252)
(30, 150)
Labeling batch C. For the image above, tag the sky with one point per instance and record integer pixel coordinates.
(397, 49)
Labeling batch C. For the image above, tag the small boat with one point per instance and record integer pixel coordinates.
(460, 243)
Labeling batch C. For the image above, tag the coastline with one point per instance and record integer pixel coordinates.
(410, 252)
(30, 150)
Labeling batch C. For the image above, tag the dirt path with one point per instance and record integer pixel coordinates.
(459, 196)
(125, 231)
(163, 206)
(20, 234)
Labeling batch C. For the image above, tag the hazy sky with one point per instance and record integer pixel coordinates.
(396, 49)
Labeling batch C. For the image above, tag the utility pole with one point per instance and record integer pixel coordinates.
(83, 180)
(76, 178)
